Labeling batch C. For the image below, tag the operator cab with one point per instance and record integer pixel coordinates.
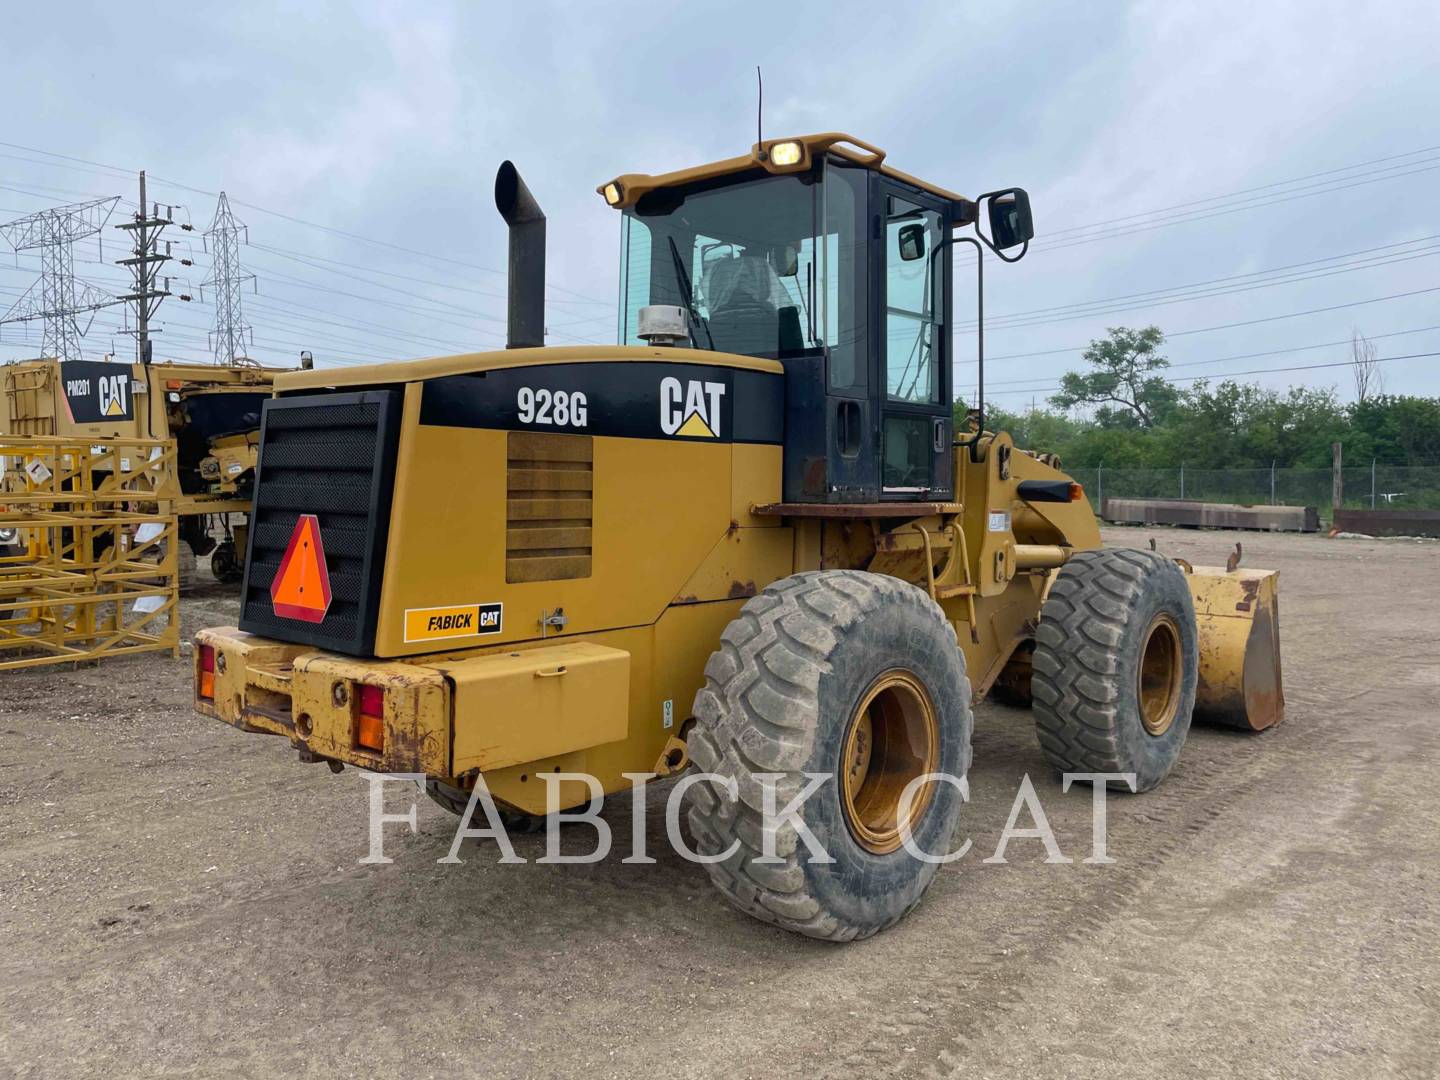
(812, 252)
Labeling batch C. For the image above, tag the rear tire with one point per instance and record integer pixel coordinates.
(516, 822)
(1115, 666)
(856, 676)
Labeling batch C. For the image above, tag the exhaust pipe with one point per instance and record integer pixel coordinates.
(525, 318)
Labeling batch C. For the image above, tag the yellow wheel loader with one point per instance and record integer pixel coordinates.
(748, 541)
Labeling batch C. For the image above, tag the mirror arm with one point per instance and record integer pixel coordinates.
(973, 441)
(980, 242)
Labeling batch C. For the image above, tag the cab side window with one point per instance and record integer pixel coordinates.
(914, 303)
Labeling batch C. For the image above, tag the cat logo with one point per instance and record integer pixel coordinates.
(691, 409)
(113, 389)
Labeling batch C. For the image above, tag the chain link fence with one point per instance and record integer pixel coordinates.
(1381, 487)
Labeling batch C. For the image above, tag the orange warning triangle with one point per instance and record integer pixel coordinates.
(301, 589)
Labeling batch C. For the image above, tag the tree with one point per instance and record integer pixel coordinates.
(1369, 379)
(1125, 373)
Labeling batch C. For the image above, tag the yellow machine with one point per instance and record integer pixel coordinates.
(749, 537)
(213, 413)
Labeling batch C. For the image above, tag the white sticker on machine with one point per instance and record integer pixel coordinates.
(460, 620)
(999, 520)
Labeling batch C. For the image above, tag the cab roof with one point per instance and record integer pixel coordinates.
(625, 190)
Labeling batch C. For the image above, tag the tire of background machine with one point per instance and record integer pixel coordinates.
(224, 563)
(779, 696)
(453, 799)
(1086, 665)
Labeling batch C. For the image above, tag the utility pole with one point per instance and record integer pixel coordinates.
(1337, 477)
(62, 299)
(227, 278)
(144, 265)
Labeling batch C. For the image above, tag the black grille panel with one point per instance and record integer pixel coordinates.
(331, 455)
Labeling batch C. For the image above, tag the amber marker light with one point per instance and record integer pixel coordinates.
(370, 729)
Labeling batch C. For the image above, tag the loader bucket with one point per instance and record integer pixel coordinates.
(1237, 619)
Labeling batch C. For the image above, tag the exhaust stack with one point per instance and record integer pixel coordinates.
(525, 317)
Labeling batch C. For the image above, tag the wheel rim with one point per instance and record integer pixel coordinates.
(892, 738)
(1159, 676)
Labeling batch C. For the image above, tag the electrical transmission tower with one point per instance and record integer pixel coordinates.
(144, 265)
(61, 299)
(226, 277)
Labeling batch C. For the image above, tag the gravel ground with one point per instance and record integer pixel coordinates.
(178, 898)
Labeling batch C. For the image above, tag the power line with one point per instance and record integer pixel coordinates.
(1293, 279)
(1178, 290)
(1244, 356)
(1280, 197)
(1226, 326)
(1252, 371)
(1247, 191)
(358, 237)
(311, 260)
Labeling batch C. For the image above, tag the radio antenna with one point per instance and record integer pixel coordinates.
(759, 105)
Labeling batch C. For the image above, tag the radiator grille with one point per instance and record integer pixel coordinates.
(548, 496)
(331, 455)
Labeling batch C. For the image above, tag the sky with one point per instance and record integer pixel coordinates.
(1276, 158)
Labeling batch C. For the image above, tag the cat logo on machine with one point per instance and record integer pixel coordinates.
(97, 392)
(691, 408)
(459, 620)
(113, 395)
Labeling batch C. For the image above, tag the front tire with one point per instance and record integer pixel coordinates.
(849, 675)
(1115, 666)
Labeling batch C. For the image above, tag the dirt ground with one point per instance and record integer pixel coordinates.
(178, 898)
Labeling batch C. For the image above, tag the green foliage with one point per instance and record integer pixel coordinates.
(1142, 421)
(1126, 384)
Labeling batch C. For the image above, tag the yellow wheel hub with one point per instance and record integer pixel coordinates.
(1160, 674)
(892, 738)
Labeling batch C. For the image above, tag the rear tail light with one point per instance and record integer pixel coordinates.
(370, 726)
(207, 672)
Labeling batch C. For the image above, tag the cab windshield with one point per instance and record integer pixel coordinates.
(764, 265)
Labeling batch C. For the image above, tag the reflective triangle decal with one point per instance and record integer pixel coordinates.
(301, 589)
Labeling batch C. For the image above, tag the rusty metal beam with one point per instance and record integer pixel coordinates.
(1203, 515)
(1389, 522)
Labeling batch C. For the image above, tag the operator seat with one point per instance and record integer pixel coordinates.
(742, 296)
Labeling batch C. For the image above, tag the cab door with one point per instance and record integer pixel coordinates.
(914, 377)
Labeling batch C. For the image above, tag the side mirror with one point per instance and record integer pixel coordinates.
(912, 241)
(1010, 220)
